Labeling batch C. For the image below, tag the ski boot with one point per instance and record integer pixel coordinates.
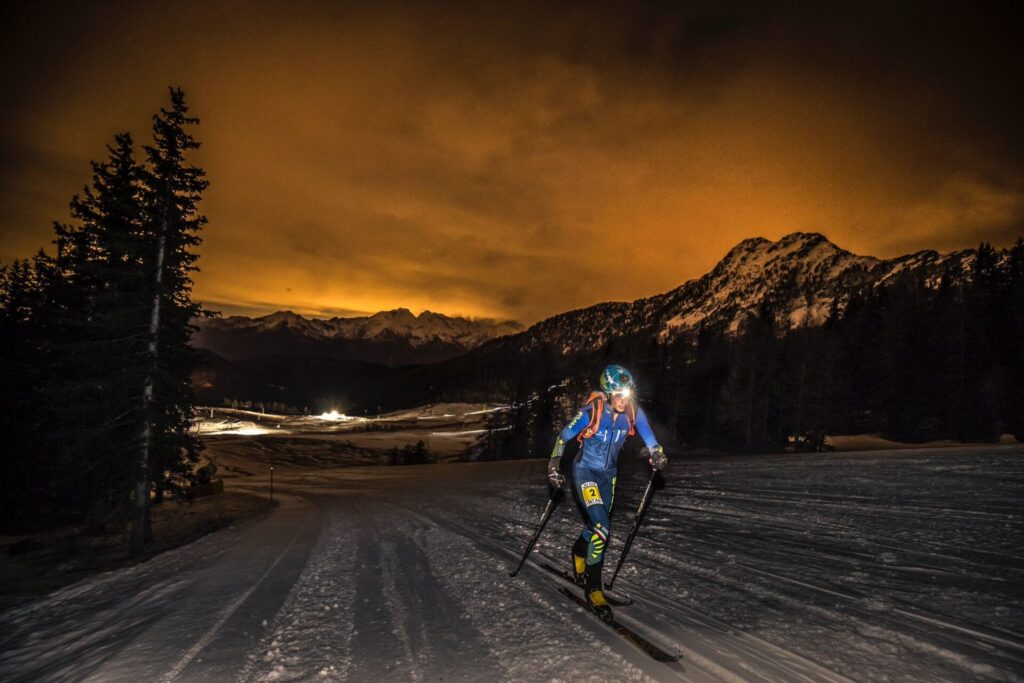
(595, 594)
(599, 606)
(579, 561)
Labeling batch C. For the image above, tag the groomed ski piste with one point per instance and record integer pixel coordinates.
(884, 566)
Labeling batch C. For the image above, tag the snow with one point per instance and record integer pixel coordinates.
(816, 274)
(229, 426)
(890, 565)
(491, 410)
(425, 328)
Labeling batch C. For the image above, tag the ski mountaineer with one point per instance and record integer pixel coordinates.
(601, 426)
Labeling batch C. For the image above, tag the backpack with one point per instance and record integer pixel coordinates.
(597, 400)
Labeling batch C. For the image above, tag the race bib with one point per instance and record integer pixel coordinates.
(591, 494)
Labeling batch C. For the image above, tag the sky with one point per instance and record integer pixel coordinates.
(518, 160)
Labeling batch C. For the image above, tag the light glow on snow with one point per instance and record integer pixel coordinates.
(243, 428)
(252, 431)
(467, 431)
(488, 410)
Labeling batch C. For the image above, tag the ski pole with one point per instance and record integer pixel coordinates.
(636, 525)
(540, 527)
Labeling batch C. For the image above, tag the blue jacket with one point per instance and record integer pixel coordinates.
(601, 451)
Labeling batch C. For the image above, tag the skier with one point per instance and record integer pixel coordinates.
(601, 427)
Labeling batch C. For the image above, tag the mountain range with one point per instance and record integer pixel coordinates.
(390, 338)
(804, 274)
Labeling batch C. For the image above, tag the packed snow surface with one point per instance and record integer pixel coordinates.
(893, 565)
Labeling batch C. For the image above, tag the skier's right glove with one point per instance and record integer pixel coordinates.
(657, 458)
(554, 472)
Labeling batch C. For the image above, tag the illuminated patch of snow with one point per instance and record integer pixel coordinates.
(243, 428)
(335, 416)
(468, 431)
(487, 410)
(252, 431)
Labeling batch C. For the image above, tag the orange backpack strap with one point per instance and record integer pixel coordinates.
(596, 401)
(631, 416)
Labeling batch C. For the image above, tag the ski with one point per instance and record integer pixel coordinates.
(638, 641)
(617, 600)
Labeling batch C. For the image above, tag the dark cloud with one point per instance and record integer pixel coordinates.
(521, 159)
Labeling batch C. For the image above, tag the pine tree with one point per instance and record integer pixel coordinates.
(981, 372)
(704, 399)
(19, 381)
(103, 326)
(542, 427)
(1011, 316)
(171, 221)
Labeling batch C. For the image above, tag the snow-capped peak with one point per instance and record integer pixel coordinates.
(757, 267)
(803, 274)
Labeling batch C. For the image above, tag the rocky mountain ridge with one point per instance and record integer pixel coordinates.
(804, 273)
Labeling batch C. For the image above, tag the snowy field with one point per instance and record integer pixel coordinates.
(448, 430)
(885, 566)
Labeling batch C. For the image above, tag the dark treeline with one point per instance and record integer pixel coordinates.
(910, 360)
(97, 402)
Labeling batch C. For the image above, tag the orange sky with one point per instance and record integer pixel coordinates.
(521, 162)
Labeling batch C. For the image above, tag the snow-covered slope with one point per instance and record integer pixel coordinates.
(393, 337)
(890, 566)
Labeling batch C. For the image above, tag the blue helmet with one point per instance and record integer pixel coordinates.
(615, 379)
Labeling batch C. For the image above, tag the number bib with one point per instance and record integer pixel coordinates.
(591, 494)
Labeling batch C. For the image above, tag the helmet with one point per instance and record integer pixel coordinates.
(615, 379)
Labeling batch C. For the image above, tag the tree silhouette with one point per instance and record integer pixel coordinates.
(171, 195)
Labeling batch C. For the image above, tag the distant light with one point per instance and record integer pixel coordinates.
(251, 431)
(332, 416)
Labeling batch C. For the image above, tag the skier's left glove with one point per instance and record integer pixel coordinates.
(656, 456)
(554, 472)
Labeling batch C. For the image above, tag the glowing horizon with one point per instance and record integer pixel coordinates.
(523, 162)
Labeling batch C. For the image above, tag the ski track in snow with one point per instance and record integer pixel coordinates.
(885, 566)
(311, 636)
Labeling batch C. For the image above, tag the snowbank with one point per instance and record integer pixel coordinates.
(874, 442)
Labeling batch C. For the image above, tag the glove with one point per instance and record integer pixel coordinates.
(656, 456)
(554, 475)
